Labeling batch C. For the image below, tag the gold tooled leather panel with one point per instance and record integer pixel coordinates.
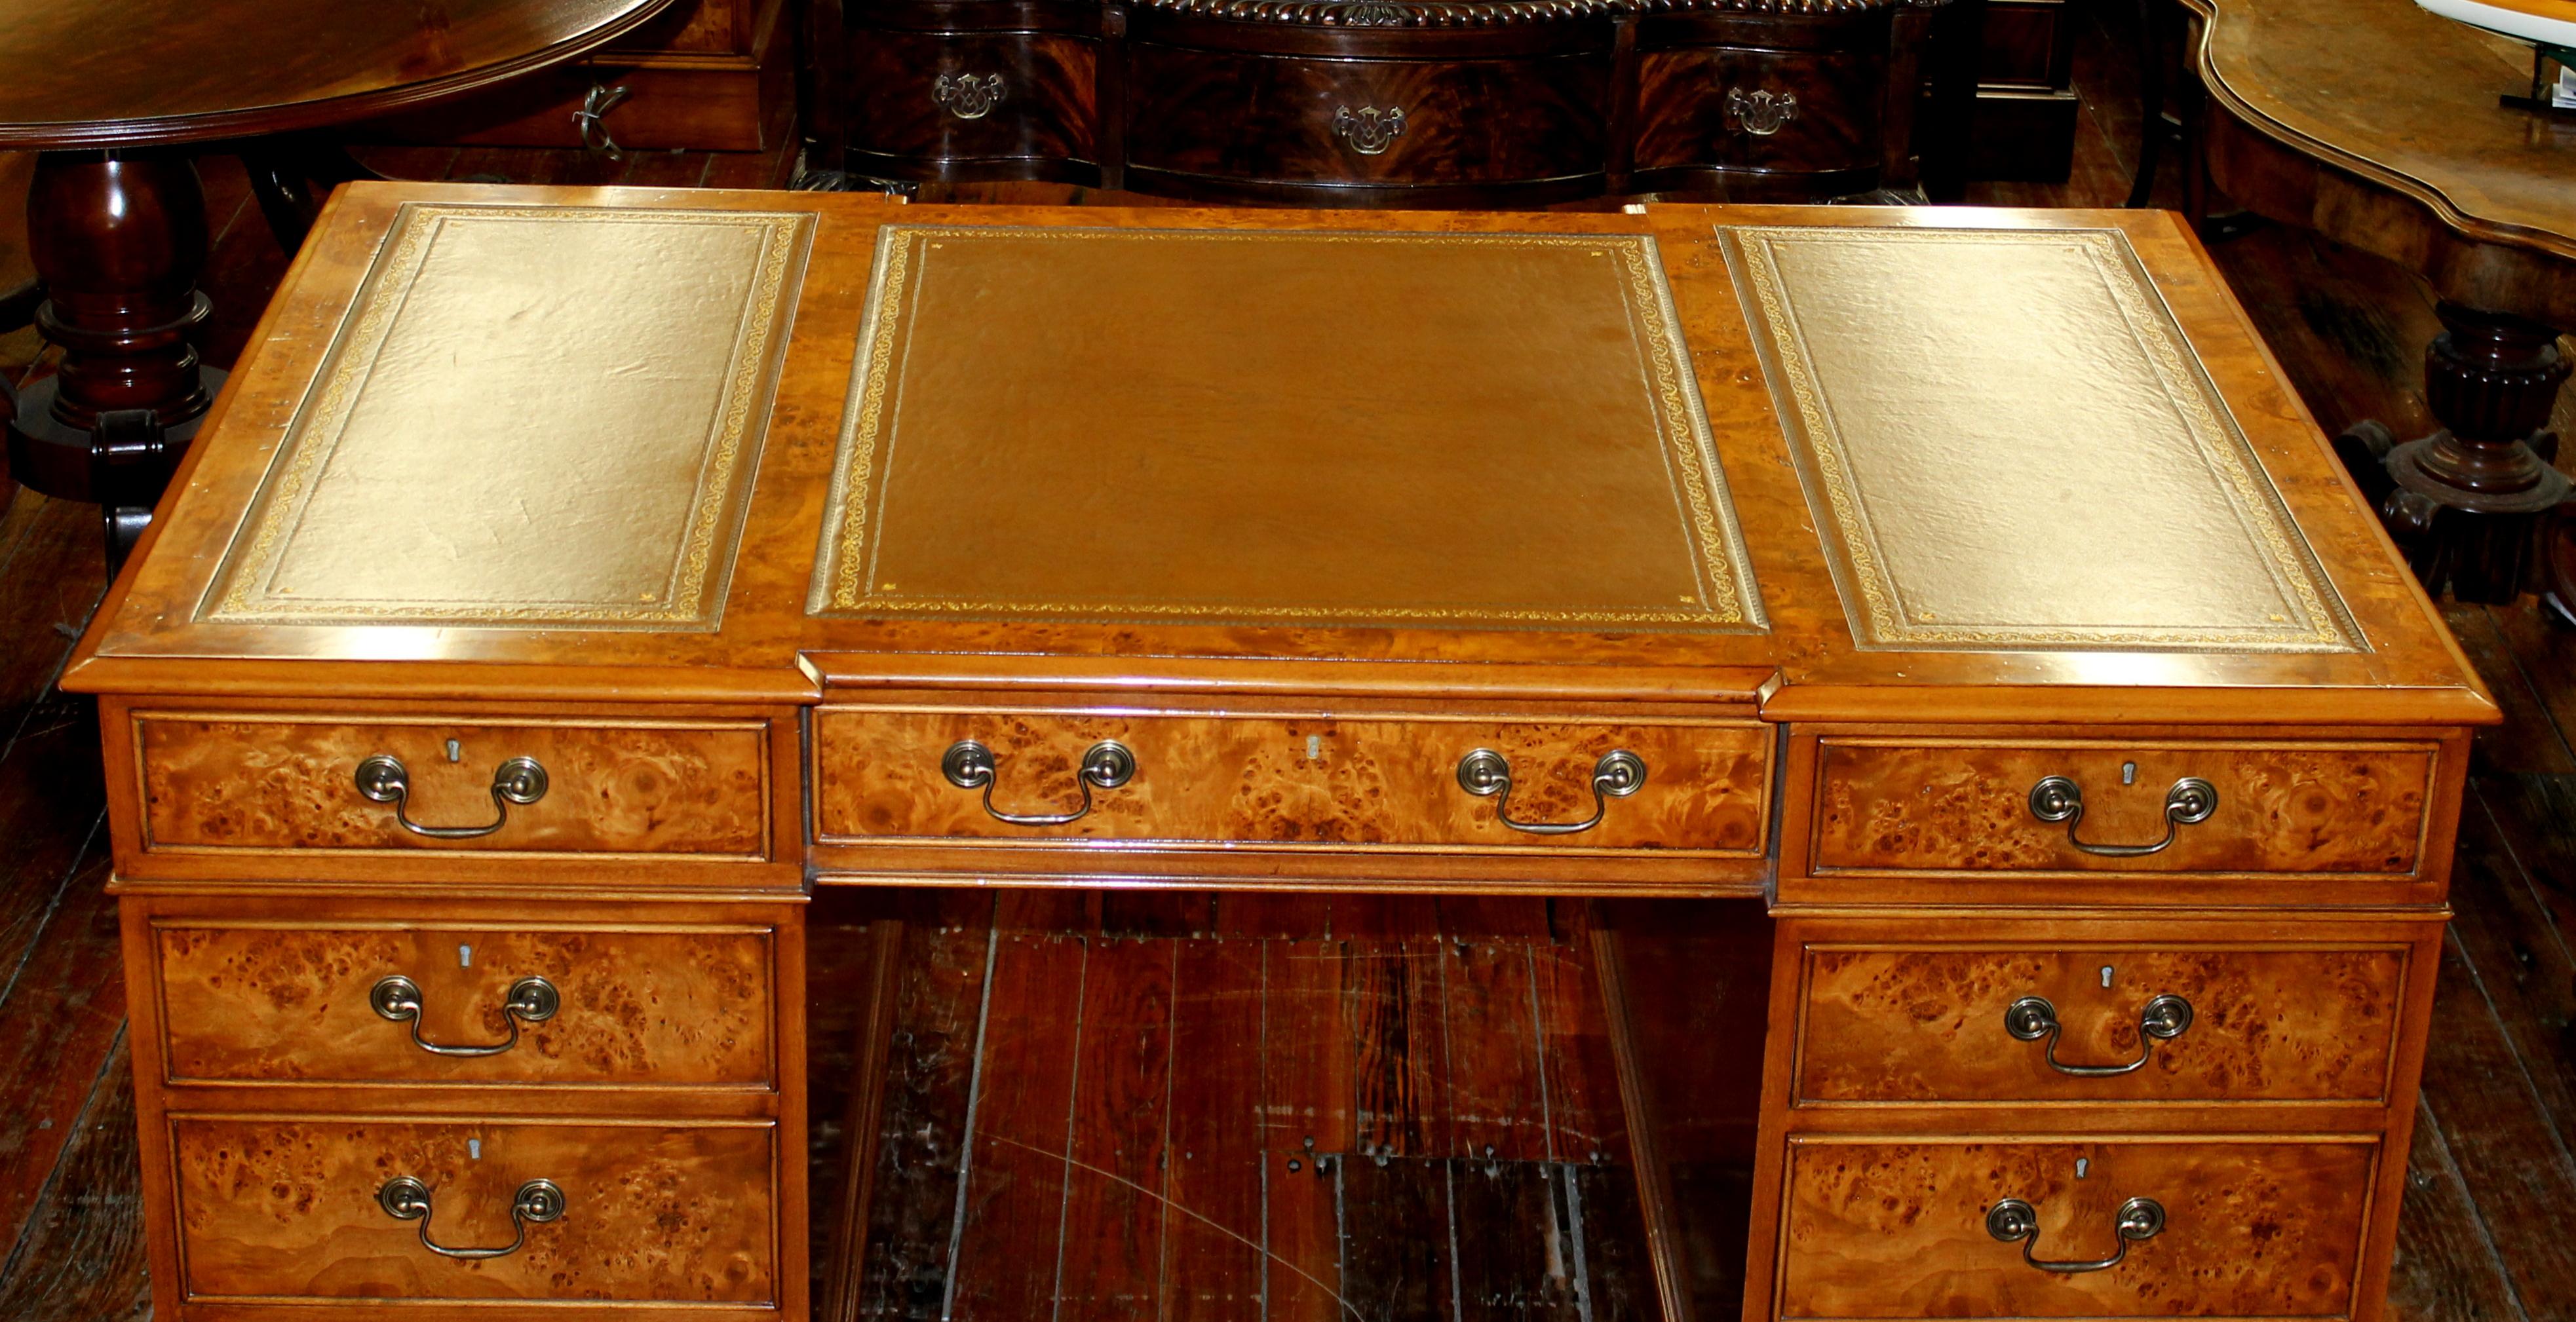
(531, 416)
(1274, 427)
(2009, 443)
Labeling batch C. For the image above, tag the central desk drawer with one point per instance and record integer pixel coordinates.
(455, 1004)
(2140, 807)
(2175, 1021)
(1683, 787)
(240, 783)
(285, 1209)
(2243, 1227)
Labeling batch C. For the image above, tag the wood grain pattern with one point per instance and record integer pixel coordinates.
(2282, 808)
(1927, 1024)
(1892, 1229)
(286, 1206)
(1685, 121)
(1247, 780)
(245, 783)
(1045, 113)
(669, 1008)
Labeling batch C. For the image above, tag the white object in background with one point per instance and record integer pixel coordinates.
(2544, 22)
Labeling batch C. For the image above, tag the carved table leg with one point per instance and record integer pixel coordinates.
(118, 238)
(2475, 505)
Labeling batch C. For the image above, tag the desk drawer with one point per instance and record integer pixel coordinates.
(1292, 782)
(242, 783)
(2199, 1022)
(281, 1208)
(1936, 805)
(536, 1004)
(2250, 1227)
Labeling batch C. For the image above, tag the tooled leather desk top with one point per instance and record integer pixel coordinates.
(706, 446)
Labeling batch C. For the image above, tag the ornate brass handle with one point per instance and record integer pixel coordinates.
(2057, 799)
(520, 780)
(536, 1203)
(1486, 774)
(2164, 1019)
(1368, 130)
(591, 121)
(966, 95)
(970, 765)
(532, 1000)
(1760, 113)
(2012, 1219)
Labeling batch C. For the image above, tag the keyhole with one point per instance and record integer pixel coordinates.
(465, 957)
(2082, 1164)
(455, 751)
(2128, 773)
(2106, 977)
(1314, 748)
(474, 1149)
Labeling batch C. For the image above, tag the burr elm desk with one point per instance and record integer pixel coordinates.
(570, 581)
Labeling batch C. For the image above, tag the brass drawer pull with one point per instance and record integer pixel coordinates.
(970, 765)
(2012, 1219)
(2057, 799)
(532, 1000)
(1760, 113)
(1487, 775)
(1368, 130)
(2164, 1019)
(966, 95)
(520, 780)
(537, 1202)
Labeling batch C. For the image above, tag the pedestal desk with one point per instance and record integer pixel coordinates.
(570, 582)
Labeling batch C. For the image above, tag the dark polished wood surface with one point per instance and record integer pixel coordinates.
(130, 73)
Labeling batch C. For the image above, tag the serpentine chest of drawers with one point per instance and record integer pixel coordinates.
(570, 582)
(1381, 102)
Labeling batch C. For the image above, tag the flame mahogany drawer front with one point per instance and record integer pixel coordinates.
(2206, 1225)
(1678, 787)
(959, 97)
(286, 1209)
(2179, 1022)
(2287, 807)
(443, 1003)
(225, 782)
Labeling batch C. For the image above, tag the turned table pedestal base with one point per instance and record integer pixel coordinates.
(118, 238)
(2477, 507)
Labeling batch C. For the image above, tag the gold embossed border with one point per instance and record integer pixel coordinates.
(1870, 596)
(1729, 602)
(242, 591)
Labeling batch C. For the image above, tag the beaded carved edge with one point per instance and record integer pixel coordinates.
(1868, 590)
(1724, 567)
(239, 593)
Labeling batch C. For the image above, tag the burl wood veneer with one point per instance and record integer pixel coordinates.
(273, 1209)
(2257, 1226)
(1928, 1024)
(1295, 513)
(283, 1002)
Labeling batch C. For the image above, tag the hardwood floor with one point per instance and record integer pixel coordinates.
(1443, 1057)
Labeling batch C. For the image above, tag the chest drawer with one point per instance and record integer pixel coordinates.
(2114, 807)
(2233, 1227)
(2168, 1022)
(440, 1003)
(1293, 119)
(958, 97)
(1759, 111)
(230, 783)
(286, 1209)
(886, 776)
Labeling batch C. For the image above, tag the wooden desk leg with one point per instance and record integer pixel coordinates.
(1664, 1247)
(2471, 504)
(847, 1270)
(118, 238)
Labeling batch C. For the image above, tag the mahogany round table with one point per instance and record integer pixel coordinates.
(117, 95)
(2383, 127)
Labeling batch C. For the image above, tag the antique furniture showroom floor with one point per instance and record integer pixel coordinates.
(2000, 775)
